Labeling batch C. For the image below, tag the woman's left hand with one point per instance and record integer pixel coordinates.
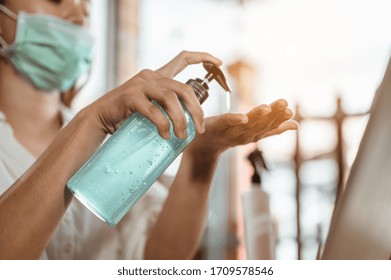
(229, 130)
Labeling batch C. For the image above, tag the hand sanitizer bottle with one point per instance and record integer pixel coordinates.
(132, 159)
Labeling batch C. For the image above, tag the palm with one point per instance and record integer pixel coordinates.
(230, 130)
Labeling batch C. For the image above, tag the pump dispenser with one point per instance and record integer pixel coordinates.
(131, 160)
(258, 226)
(258, 163)
(201, 87)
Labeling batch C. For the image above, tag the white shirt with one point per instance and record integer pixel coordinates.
(80, 234)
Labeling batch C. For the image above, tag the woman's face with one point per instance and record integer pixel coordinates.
(75, 11)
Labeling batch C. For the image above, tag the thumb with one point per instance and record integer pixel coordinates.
(235, 119)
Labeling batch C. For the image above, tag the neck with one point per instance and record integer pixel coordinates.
(25, 106)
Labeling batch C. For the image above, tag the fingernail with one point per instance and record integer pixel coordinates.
(219, 60)
(184, 134)
(244, 119)
(293, 126)
(203, 127)
(266, 110)
(282, 104)
(166, 135)
(288, 113)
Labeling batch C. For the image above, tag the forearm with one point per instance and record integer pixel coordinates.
(180, 225)
(179, 228)
(33, 206)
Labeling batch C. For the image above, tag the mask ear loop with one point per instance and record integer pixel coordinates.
(8, 12)
(3, 46)
(2, 42)
(12, 15)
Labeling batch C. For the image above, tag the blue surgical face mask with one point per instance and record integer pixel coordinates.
(50, 52)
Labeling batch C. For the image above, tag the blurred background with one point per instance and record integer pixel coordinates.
(325, 57)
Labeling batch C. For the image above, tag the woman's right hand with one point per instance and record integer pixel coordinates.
(41, 193)
(136, 95)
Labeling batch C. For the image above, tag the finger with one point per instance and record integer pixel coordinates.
(235, 119)
(198, 57)
(222, 123)
(169, 101)
(185, 58)
(161, 89)
(281, 117)
(189, 99)
(152, 112)
(259, 111)
(267, 120)
(236, 124)
(288, 125)
(279, 105)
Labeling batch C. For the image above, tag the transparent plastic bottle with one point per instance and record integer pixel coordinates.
(132, 159)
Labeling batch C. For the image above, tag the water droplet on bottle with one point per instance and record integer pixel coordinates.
(116, 171)
(123, 192)
(108, 169)
(131, 172)
(150, 162)
(139, 165)
(142, 131)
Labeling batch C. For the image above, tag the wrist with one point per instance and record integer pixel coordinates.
(88, 117)
(203, 152)
(206, 147)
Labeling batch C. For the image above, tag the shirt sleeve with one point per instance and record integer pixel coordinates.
(5, 178)
(136, 225)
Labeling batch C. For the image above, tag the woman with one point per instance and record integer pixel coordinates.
(38, 217)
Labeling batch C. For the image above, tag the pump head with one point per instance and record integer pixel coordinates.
(200, 86)
(258, 162)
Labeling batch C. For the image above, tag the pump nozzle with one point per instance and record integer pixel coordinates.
(201, 88)
(258, 162)
(215, 72)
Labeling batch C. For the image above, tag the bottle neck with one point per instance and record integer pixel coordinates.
(200, 89)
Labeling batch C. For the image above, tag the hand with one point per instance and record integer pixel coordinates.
(136, 95)
(229, 130)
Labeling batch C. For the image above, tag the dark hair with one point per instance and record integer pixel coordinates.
(2, 1)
